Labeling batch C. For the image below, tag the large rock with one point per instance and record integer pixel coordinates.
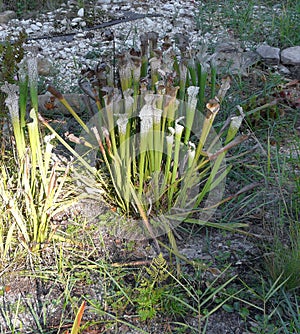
(6, 16)
(269, 54)
(228, 57)
(291, 56)
(44, 65)
(50, 106)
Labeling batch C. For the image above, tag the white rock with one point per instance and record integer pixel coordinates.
(72, 3)
(34, 27)
(82, 45)
(83, 24)
(63, 54)
(28, 31)
(76, 20)
(64, 22)
(168, 7)
(80, 13)
(80, 35)
(149, 22)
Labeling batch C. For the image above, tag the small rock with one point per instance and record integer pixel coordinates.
(149, 23)
(62, 54)
(29, 31)
(100, 2)
(72, 3)
(64, 22)
(291, 56)
(270, 54)
(76, 19)
(80, 13)
(168, 7)
(46, 28)
(6, 16)
(283, 70)
(34, 27)
(80, 35)
(82, 45)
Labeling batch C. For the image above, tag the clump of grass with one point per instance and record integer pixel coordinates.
(30, 194)
(283, 257)
(23, 6)
(253, 22)
(288, 312)
(284, 261)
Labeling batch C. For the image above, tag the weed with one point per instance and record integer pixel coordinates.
(150, 292)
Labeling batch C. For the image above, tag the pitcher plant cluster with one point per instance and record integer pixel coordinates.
(150, 148)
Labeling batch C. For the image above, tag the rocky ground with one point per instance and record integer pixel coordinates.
(68, 43)
(78, 45)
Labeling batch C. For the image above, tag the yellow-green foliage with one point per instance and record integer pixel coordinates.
(150, 294)
(158, 269)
